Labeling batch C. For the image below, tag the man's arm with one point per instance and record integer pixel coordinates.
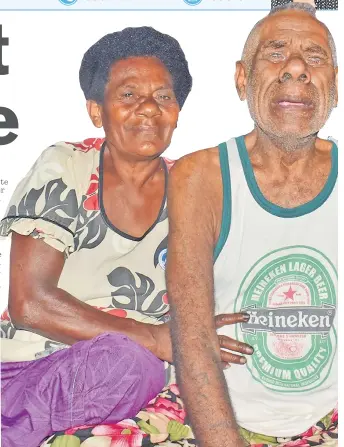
(195, 206)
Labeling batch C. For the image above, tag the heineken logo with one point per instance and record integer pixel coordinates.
(290, 295)
(300, 320)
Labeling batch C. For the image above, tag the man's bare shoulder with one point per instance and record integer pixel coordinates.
(324, 146)
(197, 166)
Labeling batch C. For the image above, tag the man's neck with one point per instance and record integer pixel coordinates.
(288, 177)
(287, 152)
(290, 149)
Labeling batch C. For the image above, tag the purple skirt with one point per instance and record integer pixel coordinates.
(103, 380)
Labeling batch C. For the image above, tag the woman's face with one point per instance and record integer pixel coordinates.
(140, 111)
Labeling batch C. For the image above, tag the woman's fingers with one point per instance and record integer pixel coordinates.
(228, 344)
(225, 365)
(229, 357)
(234, 345)
(225, 319)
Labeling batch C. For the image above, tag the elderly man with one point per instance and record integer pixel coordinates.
(253, 228)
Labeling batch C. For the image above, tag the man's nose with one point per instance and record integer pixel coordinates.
(295, 69)
(148, 107)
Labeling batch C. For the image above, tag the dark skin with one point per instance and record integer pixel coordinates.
(291, 165)
(139, 115)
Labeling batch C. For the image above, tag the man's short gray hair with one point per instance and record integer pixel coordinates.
(306, 7)
(299, 6)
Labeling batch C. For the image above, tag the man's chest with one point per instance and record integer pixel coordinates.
(292, 193)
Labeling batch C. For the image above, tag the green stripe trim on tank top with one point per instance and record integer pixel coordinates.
(279, 211)
(226, 200)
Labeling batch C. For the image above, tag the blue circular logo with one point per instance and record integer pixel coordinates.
(163, 258)
(68, 2)
(192, 2)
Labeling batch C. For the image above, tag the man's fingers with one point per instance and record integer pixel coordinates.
(229, 357)
(225, 319)
(234, 345)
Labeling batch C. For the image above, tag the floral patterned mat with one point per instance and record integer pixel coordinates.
(163, 423)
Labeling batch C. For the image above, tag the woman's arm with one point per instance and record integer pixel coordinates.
(37, 304)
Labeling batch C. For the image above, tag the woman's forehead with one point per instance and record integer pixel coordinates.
(138, 64)
(136, 71)
(139, 67)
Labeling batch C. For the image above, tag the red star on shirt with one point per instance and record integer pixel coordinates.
(290, 294)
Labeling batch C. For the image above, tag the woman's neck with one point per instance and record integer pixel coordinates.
(130, 169)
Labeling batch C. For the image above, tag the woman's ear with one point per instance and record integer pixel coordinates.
(94, 112)
(240, 79)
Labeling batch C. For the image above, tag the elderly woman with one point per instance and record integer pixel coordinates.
(89, 230)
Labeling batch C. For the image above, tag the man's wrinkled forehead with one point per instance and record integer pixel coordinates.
(291, 24)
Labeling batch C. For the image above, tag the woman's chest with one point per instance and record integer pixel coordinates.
(112, 271)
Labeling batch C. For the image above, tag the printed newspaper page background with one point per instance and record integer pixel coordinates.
(42, 43)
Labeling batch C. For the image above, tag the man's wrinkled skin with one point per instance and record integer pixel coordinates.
(288, 77)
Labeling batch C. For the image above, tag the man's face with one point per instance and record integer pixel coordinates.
(291, 87)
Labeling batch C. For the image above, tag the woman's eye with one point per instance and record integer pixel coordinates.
(127, 95)
(166, 96)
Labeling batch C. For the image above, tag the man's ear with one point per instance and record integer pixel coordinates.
(94, 111)
(240, 79)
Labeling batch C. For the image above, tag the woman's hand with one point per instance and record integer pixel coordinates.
(163, 343)
(230, 343)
